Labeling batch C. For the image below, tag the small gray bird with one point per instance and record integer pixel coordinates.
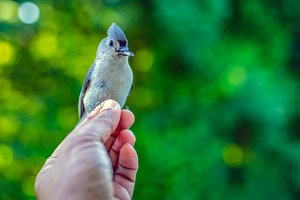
(110, 76)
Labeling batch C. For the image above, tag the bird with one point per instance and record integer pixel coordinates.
(110, 76)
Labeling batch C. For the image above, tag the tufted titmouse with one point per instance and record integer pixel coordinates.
(110, 76)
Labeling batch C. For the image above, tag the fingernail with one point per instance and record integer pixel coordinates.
(109, 104)
(94, 112)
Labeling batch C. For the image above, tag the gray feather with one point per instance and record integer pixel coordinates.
(130, 89)
(85, 86)
(115, 32)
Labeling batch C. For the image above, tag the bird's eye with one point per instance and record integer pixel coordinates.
(111, 43)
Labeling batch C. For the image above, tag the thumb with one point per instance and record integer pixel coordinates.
(102, 122)
(97, 126)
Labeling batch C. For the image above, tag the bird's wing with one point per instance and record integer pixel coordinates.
(130, 89)
(85, 86)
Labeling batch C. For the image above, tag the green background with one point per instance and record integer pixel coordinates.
(215, 95)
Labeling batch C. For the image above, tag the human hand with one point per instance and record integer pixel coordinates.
(95, 161)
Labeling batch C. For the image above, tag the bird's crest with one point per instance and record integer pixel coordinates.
(115, 32)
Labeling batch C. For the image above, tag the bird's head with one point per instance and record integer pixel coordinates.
(115, 43)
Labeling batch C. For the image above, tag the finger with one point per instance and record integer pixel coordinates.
(52, 158)
(91, 115)
(125, 136)
(100, 123)
(127, 168)
(101, 126)
(101, 111)
(126, 121)
(120, 192)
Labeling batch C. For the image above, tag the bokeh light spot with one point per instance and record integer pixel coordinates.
(14, 172)
(8, 10)
(9, 125)
(233, 155)
(237, 76)
(28, 13)
(6, 52)
(6, 156)
(46, 45)
(143, 60)
(6, 126)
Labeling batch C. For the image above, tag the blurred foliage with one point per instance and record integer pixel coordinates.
(216, 92)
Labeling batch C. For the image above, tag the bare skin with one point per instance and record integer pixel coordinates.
(95, 161)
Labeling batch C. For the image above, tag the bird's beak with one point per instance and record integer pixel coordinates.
(124, 52)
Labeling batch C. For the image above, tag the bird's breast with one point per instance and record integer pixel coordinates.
(109, 81)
